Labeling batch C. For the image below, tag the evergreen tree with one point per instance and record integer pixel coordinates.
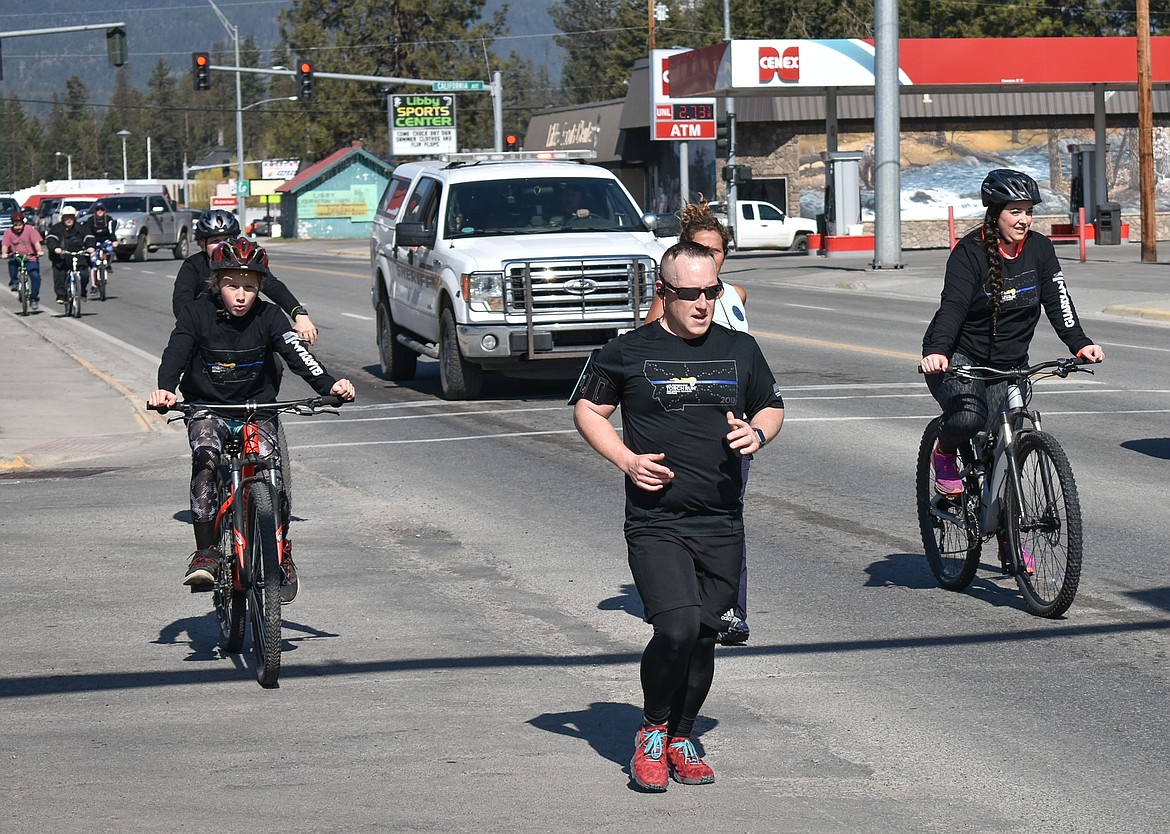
(603, 39)
(414, 39)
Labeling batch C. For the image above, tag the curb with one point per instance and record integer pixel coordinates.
(1138, 312)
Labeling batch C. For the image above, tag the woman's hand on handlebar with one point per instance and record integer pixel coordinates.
(1091, 354)
(935, 363)
(342, 388)
(161, 397)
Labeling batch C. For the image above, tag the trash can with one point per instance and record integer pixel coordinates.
(1109, 224)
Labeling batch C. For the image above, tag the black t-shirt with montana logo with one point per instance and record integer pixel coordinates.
(674, 396)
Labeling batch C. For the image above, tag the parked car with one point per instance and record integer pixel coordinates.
(761, 225)
(8, 205)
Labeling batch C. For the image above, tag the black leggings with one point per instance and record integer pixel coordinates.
(207, 436)
(678, 666)
(968, 406)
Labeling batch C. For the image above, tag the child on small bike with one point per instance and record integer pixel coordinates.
(223, 352)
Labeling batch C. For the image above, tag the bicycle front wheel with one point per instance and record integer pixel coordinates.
(24, 290)
(1045, 523)
(103, 276)
(950, 530)
(264, 593)
(231, 604)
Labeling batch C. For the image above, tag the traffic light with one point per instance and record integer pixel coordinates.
(512, 142)
(722, 136)
(305, 75)
(738, 174)
(116, 46)
(201, 67)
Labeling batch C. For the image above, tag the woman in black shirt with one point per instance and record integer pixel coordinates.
(998, 277)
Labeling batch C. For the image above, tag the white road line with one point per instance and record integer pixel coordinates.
(563, 408)
(863, 419)
(1135, 347)
(811, 307)
(356, 316)
(431, 439)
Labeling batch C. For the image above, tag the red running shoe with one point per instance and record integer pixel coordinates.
(648, 767)
(685, 765)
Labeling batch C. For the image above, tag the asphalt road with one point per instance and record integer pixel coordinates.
(465, 654)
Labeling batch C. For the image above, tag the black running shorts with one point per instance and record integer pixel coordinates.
(674, 571)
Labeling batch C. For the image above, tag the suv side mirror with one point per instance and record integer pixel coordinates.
(412, 233)
(650, 220)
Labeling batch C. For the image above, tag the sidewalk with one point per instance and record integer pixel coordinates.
(57, 408)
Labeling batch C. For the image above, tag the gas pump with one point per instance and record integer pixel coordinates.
(842, 192)
(1083, 189)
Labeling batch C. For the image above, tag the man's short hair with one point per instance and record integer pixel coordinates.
(684, 249)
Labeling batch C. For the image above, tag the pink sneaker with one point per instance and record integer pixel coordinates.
(1029, 559)
(946, 473)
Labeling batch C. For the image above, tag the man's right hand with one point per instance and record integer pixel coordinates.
(647, 473)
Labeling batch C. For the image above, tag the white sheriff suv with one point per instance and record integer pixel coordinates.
(521, 262)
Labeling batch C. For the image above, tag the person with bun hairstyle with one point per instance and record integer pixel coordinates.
(998, 278)
(223, 352)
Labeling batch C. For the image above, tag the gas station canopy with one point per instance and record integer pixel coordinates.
(779, 67)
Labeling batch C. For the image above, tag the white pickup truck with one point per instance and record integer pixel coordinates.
(505, 262)
(761, 225)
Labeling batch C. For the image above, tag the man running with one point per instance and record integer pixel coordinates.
(684, 387)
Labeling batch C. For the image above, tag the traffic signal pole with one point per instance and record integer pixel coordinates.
(729, 106)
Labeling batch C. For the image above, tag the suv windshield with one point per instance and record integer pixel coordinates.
(124, 204)
(539, 205)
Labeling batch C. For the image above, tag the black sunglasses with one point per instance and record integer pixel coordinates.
(693, 293)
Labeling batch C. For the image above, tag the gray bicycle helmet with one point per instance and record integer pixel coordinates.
(1003, 185)
(217, 223)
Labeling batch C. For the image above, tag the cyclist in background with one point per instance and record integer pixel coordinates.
(699, 224)
(194, 276)
(223, 351)
(997, 279)
(23, 239)
(99, 234)
(64, 236)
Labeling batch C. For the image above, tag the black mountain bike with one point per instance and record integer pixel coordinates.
(1017, 486)
(249, 529)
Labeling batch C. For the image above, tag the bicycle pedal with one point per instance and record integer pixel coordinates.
(201, 589)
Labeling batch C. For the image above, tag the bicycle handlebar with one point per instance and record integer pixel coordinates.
(1059, 367)
(307, 406)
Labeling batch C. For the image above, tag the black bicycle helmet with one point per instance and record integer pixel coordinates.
(217, 223)
(1003, 185)
(239, 253)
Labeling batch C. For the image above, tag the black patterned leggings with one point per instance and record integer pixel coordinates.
(207, 436)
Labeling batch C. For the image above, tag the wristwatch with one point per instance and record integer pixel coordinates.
(760, 434)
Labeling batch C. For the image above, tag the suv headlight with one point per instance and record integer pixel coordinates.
(484, 291)
(127, 224)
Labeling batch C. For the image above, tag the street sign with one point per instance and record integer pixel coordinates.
(242, 188)
(455, 86)
(422, 125)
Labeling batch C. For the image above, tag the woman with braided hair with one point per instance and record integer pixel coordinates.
(997, 279)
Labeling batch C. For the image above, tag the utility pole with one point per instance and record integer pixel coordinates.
(729, 107)
(241, 200)
(1146, 136)
(887, 223)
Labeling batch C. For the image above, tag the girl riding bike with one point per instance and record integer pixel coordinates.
(997, 278)
(223, 351)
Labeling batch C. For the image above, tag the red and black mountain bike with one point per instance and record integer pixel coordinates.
(250, 532)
